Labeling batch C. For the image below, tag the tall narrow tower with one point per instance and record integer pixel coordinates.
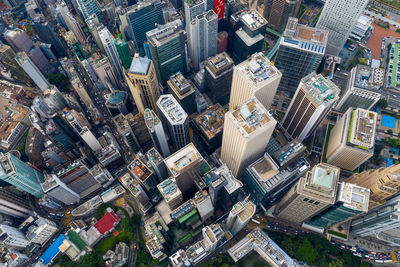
(108, 43)
(157, 133)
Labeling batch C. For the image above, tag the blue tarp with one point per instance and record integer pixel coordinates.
(52, 251)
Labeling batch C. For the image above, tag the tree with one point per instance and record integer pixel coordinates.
(390, 131)
(363, 61)
(306, 252)
(136, 219)
(91, 260)
(382, 103)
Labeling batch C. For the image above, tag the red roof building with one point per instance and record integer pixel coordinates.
(107, 223)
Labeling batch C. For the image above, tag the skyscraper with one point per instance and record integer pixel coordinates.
(13, 205)
(277, 12)
(184, 92)
(167, 49)
(53, 187)
(338, 17)
(123, 51)
(108, 43)
(88, 8)
(352, 139)
(48, 35)
(32, 70)
(257, 77)
(218, 77)
(247, 130)
(359, 90)
(175, 119)
(18, 40)
(105, 72)
(8, 58)
(11, 236)
(310, 195)
(203, 31)
(300, 52)
(312, 101)
(21, 175)
(143, 84)
(141, 18)
(62, 136)
(157, 133)
(240, 215)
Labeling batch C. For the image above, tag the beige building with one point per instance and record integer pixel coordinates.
(382, 182)
(171, 193)
(240, 215)
(312, 194)
(142, 80)
(257, 77)
(247, 131)
(351, 141)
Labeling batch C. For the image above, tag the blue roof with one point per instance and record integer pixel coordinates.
(52, 251)
(140, 65)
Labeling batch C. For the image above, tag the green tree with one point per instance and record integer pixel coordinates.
(136, 219)
(287, 246)
(306, 252)
(91, 260)
(363, 61)
(390, 131)
(382, 103)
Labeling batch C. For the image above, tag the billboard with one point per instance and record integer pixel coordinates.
(219, 6)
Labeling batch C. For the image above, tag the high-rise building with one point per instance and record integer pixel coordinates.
(143, 84)
(12, 237)
(128, 135)
(88, 8)
(383, 183)
(312, 194)
(137, 192)
(361, 88)
(53, 187)
(171, 193)
(71, 23)
(123, 51)
(167, 49)
(218, 78)
(256, 77)
(105, 72)
(338, 17)
(48, 35)
(192, 8)
(249, 37)
(184, 92)
(108, 43)
(8, 58)
(13, 205)
(240, 215)
(300, 52)
(352, 139)
(144, 175)
(202, 37)
(175, 120)
(141, 18)
(32, 70)
(312, 101)
(156, 131)
(247, 130)
(157, 162)
(21, 175)
(62, 136)
(38, 229)
(18, 40)
(277, 12)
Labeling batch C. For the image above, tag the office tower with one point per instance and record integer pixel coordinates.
(140, 196)
(143, 84)
(156, 131)
(352, 139)
(202, 37)
(175, 120)
(12, 237)
(247, 130)
(361, 88)
(184, 92)
(312, 194)
(76, 119)
(56, 189)
(218, 77)
(90, 139)
(13, 4)
(123, 51)
(141, 18)
(40, 60)
(48, 35)
(249, 37)
(32, 70)
(300, 52)
(62, 136)
(88, 8)
(222, 41)
(108, 43)
(156, 161)
(277, 12)
(266, 180)
(38, 230)
(128, 135)
(78, 178)
(171, 193)
(41, 107)
(105, 73)
(185, 166)
(13, 205)
(352, 200)
(21, 175)
(18, 40)
(383, 183)
(7, 58)
(338, 17)
(254, 77)
(203, 204)
(34, 146)
(144, 175)
(116, 102)
(240, 215)
(77, 85)
(71, 22)
(167, 49)
(312, 101)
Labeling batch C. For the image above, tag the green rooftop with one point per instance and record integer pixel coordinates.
(395, 82)
(76, 239)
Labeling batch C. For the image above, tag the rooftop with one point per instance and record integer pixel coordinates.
(107, 222)
(248, 211)
(368, 78)
(164, 33)
(211, 121)
(362, 128)
(182, 159)
(169, 189)
(151, 119)
(289, 152)
(139, 65)
(265, 168)
(322, 91)
(258, 69)
(354, 197)
(116, 98)
(324, 176)
(122, 123)
(219, 64)
(154, 156)
(222, 175)
(253, 20)
(180, 85)
(52, 251)
(171, 109)
(251, 116)
(182, 210)
(139, 170)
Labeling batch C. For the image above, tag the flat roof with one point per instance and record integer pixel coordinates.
(265, 168)
(211, 121)
(180, 85)
(219, 63)
(139, 170)
(253, 20)
(362, 128)
(182, 159)
(154, 155)
(172, 110)
(366, 77)
(325, 175)
(169, 189)
(354, 197)
(322, 91)
(52, 251)
(164, 33)
(248, 211)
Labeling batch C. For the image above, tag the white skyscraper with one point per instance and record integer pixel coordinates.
(338, 17)
(108, 42)
(11, 236)
(38, 230)
(32, 70)
(203, 31)
(157, 133)
(53, 187)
